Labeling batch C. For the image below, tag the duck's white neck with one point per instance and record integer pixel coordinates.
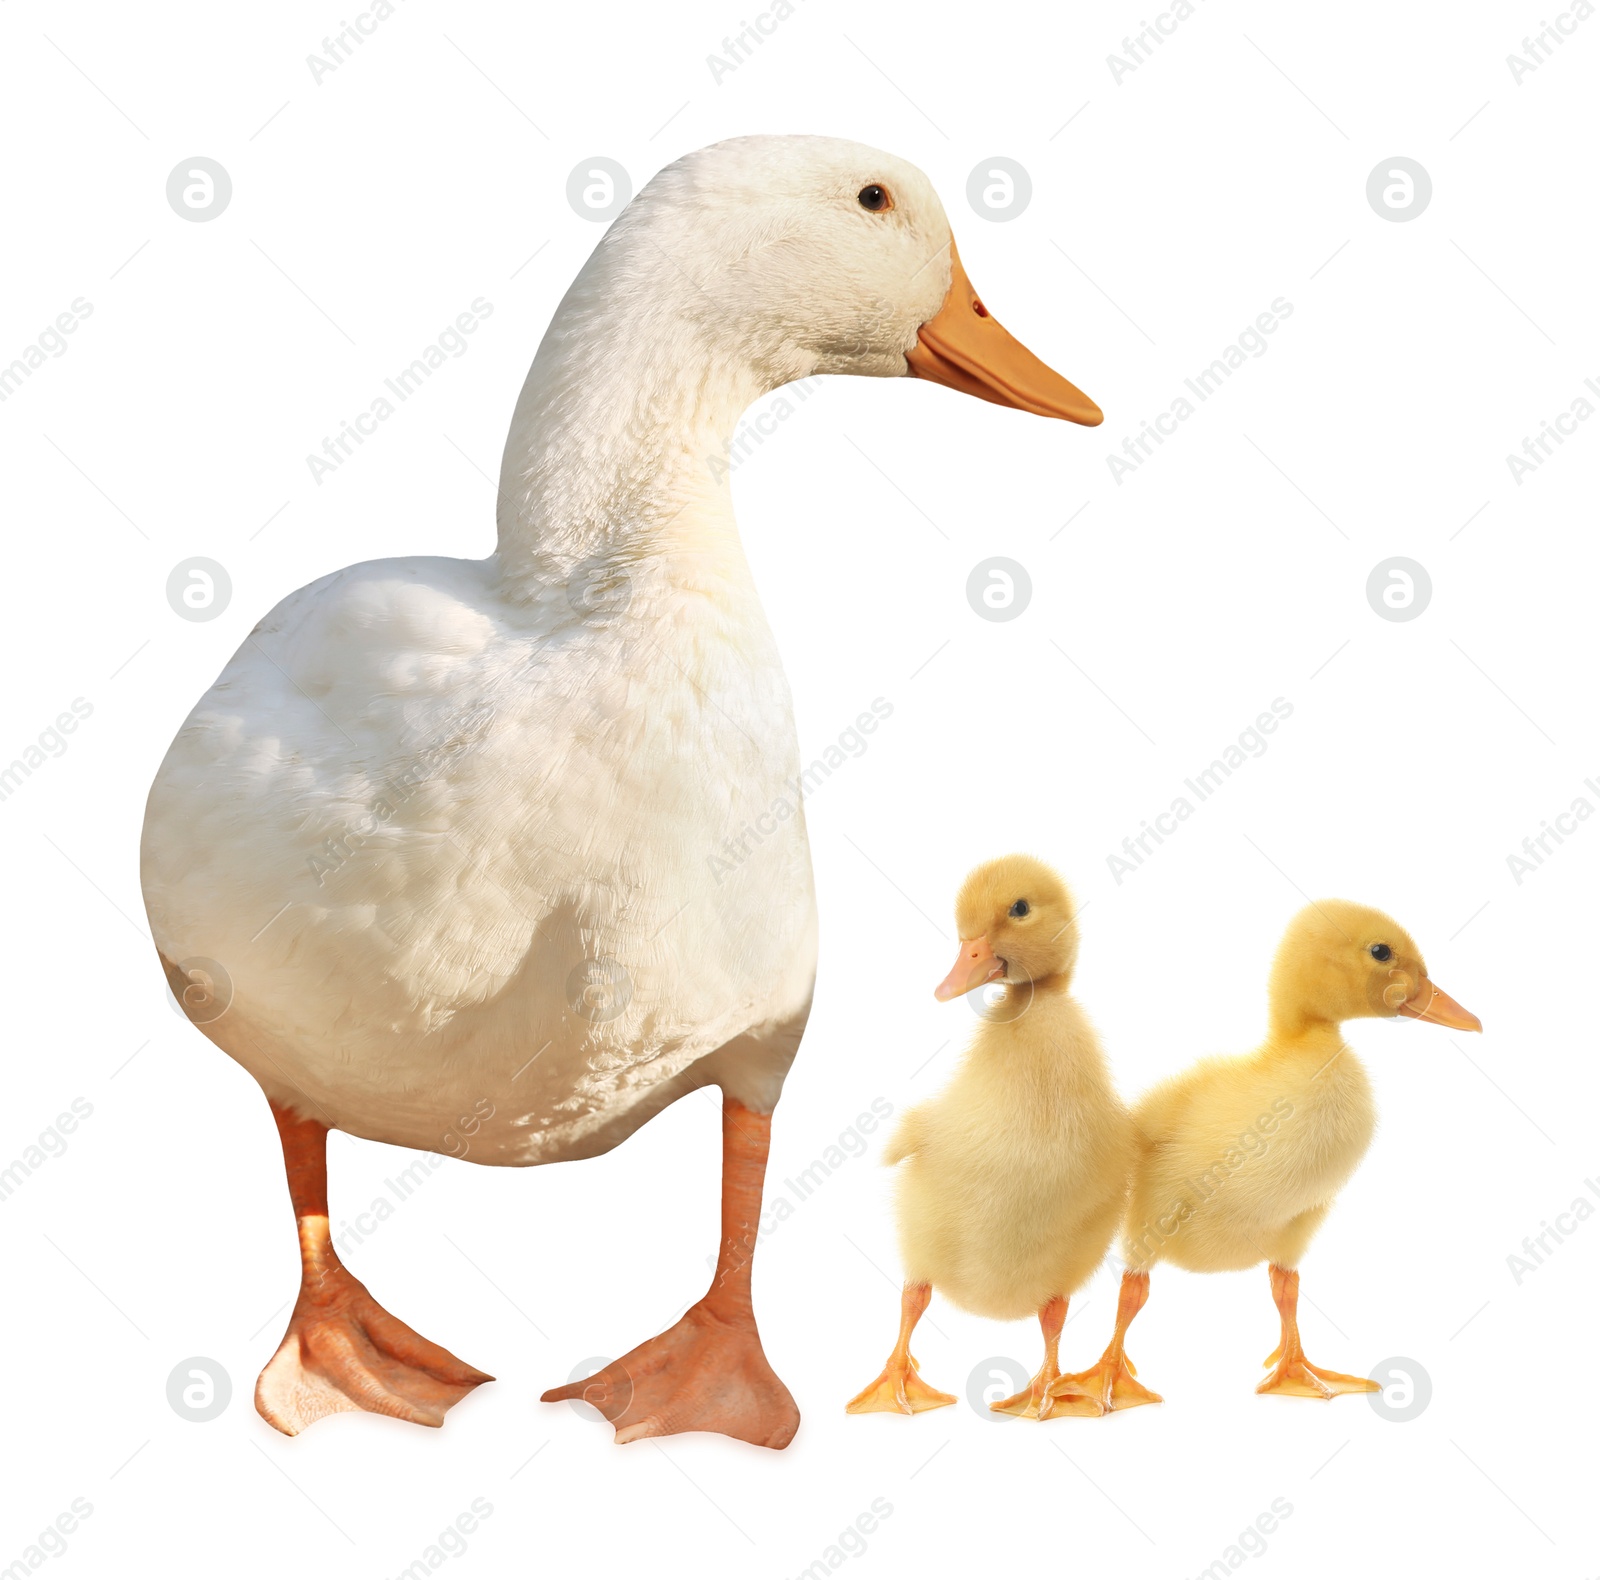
(617, 450)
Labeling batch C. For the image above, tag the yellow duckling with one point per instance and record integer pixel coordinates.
(1014, 1178)
(1241, 1158)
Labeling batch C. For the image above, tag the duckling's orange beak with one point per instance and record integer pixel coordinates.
(976, 964)
(962, 347)
(1439, 1009)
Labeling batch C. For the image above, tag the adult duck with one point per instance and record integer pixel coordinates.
(441, 856)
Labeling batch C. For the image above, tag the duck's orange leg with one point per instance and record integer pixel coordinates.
(898, 1388)
(1109, 1384)
(1291, 1372)
(708, 1372)
(343, 1351)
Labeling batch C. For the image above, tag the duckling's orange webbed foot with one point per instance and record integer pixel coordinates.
(1107, 1385)
(1296, 1376)
(1036, 1402)
(1292, 1374)
(898, 1389)
(342, 1350)
(704, 1374)
(1039, 1401)
(1110, 1384)
(707, 1372)
(1033, 1399)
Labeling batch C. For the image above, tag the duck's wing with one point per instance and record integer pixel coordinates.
(342, 773)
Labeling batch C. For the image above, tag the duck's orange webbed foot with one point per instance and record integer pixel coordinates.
(1291, 1373)
(343, 1351)
(704, 1374)
(707, 1372)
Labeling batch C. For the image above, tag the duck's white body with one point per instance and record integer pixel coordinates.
(416, 823)
(583, 722)
(499, 857)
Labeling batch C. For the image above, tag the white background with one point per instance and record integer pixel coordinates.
(1227, 171)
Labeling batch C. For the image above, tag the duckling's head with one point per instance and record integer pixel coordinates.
(1017, 923)
(1340, 961)
(806, 255)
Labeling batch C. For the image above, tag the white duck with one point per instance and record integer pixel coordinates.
(433, 859)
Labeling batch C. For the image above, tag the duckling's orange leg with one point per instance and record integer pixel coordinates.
(1291, 1372)
(343, 1351)
(897, 1387)
(1109, 1384)
(1035, 1401)
(708, 1372)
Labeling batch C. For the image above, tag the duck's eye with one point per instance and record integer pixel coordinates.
(875, 198)
(1380, 952)
(1020, 908)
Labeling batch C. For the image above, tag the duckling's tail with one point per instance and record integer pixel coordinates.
(1136, 1247)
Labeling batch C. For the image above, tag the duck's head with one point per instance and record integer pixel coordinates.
(1340, 961)
(1016, 922)
(806, 255)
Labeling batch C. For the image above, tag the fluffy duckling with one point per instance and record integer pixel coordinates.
(1013, 1179)
(1241, 1158)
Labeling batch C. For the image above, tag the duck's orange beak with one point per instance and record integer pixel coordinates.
(963, 347)
(975, 965)
(1439, 1009)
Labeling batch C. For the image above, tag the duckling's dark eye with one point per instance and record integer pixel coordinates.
(874, 197)
(1020, 908)
(1380, 951)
